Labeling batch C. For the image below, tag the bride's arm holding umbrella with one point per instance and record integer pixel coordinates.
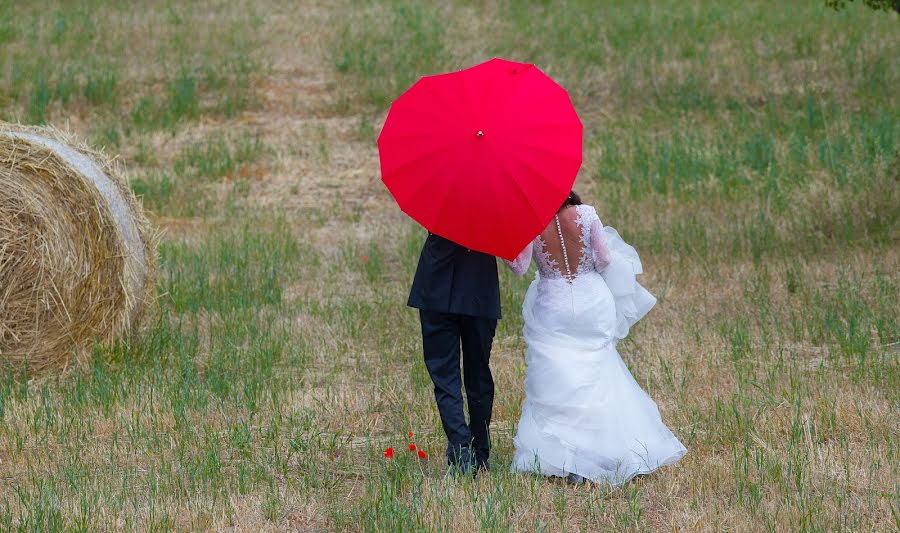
(520, 264)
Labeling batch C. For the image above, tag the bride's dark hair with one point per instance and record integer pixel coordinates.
(572, 199)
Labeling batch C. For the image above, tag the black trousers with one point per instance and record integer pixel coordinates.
(442, 336)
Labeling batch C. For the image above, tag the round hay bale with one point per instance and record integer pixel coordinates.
(77, 255)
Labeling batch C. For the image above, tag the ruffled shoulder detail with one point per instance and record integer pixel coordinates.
(632, 300)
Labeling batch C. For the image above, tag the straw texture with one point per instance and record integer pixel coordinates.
(77, 254)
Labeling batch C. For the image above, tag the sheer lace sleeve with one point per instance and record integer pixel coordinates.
(521, 263)
(598, 245)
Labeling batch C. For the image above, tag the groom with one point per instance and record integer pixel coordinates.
(458, 297)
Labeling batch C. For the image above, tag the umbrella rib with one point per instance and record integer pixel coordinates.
(418, 111)
(536, 125)
(410, 135)
(416, 159)
(439, 113)
(512, 177)
(535, 170)
(544, 149)
(443, 206)
(517, 86)
(451, 104)
(430, 93)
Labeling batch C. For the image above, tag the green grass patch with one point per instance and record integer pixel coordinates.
(217, 156)
(67, 59)
(243, 270)
(382, 59)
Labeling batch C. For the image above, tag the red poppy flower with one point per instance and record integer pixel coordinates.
(411, 434)
(422, 455)
(389, 453)
(412, 447)
(364, 259)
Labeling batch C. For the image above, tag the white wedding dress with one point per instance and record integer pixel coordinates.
(584, 414)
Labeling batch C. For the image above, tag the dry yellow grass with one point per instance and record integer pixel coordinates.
(284, 364)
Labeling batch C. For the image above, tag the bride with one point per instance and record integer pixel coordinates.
(584, 415)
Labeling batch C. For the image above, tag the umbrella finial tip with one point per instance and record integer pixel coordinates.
(479, 134)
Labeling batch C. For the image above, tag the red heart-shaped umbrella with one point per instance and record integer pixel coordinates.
(483, 157)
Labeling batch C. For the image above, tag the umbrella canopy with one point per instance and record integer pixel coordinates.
(483, 157)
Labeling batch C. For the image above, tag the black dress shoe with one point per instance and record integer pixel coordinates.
(460, 459)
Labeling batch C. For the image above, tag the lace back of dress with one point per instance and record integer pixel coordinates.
(560, 250)
(562, 244)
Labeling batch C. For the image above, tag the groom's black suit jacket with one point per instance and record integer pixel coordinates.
(453, 279)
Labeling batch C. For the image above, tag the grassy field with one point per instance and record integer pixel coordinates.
(749, 151)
